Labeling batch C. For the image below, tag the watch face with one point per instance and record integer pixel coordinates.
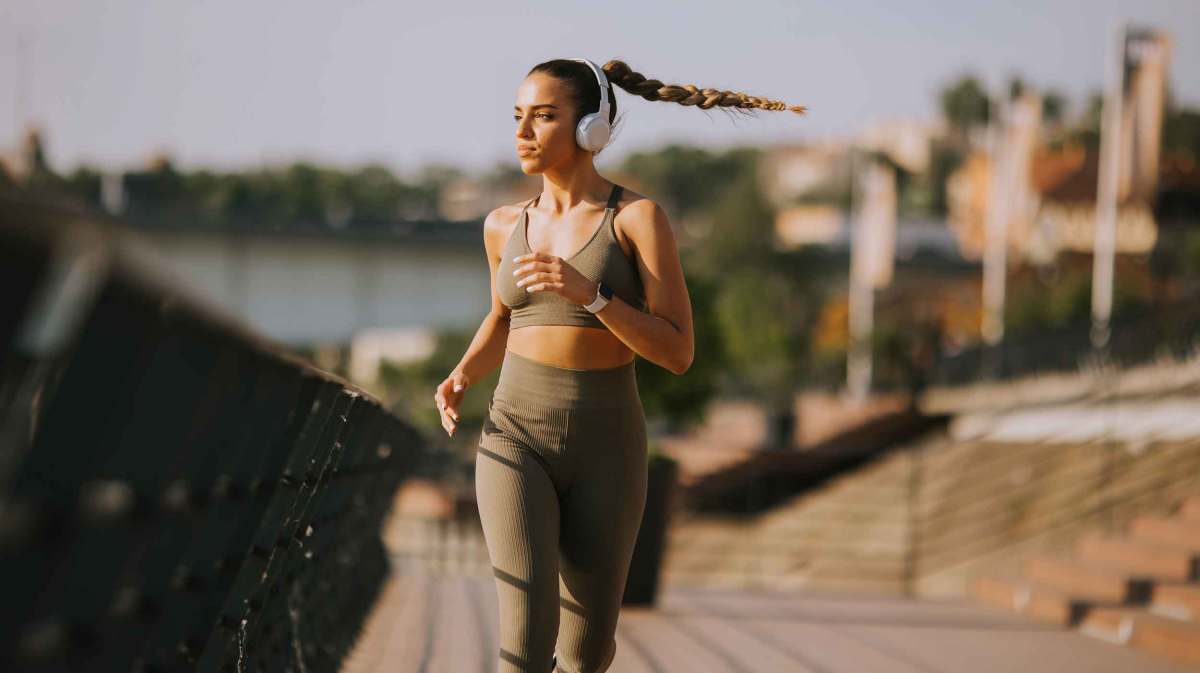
(605, 290)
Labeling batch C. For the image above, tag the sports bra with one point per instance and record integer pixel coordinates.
(601, 258)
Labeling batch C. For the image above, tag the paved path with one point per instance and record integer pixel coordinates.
(431, 624)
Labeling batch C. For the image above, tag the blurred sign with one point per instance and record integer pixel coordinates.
(874, 242)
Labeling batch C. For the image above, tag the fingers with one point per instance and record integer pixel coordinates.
(537, 276)
(449, 417)
(448, 405)
(537, 262)
(532, 257)
(449, 422)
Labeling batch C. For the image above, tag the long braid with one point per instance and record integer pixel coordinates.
(620, 74)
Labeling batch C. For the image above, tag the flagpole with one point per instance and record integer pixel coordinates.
(1104, 239)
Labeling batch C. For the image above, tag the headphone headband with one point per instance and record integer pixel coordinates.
(603, 82)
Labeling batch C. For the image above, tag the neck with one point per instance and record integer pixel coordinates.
(566, 187)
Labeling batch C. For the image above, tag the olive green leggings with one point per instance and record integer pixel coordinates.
(560, 479)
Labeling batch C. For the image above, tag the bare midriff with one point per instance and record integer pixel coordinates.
(570, 346)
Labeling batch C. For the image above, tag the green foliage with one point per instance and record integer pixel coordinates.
(1054, 107)
(409, 387)
(755, 322)
(965, 104)
(1037, 307)
(945, 158)
(1016, 87)
(1181, 134)
(742, 230)
(301, 195)
(1086, 129)
(749, 299)
(1034, 307)
(655, 454)
(83, 182)
(682, 177)
(1192, 251)
(681, 400)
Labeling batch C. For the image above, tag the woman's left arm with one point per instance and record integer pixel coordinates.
(664, 334)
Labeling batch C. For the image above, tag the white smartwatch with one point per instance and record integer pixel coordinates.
(603, 294)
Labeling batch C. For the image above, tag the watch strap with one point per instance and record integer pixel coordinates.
(603, 294)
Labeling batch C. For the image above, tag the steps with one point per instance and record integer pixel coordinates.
(1140, 588)
(1173, 638)
(1177, 531)
(1030, 598)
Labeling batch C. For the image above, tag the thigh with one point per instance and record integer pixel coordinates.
(601, 515)
(519, 513)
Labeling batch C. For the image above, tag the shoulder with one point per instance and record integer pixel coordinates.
(502, 218)
(499, 223)
(638, 217)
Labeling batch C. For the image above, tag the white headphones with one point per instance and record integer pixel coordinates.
(593, 130)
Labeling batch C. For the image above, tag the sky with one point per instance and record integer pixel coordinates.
(226, 84)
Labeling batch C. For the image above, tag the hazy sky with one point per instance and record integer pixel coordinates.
(226, 84)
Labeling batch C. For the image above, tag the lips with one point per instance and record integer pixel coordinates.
(524, 151)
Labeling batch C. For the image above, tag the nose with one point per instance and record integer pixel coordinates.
(524, 128)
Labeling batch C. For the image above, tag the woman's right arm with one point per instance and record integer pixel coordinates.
(486, 350)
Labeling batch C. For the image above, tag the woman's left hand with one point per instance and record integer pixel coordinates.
(539, 272)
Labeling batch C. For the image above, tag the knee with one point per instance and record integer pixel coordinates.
(588, 659)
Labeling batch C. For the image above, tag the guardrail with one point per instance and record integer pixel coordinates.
(176, 492)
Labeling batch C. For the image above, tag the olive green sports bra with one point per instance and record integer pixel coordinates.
(601, 258)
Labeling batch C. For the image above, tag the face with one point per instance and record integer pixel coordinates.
(544, 116)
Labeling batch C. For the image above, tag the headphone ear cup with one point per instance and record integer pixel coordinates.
(592, 133)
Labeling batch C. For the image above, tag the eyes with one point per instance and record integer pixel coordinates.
(546, 115)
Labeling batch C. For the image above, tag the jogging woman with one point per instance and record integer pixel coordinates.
(583, 277)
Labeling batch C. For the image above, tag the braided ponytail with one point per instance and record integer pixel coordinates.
(586, 95)
(620, 74)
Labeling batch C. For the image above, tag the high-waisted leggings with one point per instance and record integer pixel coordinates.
(560, 479)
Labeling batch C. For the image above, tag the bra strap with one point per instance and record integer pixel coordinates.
(614, 197)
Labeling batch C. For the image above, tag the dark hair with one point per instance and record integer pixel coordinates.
(580, 79)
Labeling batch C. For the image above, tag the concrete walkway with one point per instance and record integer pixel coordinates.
(431, 624)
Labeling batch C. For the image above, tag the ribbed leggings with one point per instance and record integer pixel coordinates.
(560, 479)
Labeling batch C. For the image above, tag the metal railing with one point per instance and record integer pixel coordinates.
(176, 492)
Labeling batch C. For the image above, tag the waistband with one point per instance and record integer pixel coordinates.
(525, 380)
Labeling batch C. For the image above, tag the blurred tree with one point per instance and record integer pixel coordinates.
(1016, 87)
(965, 105)
(742, 226)
(681, 400)
(374, 192)
(1181, 134)
(1192, 251)
(408, 390)
(755, 318)
(84, 183)
(503, 174)
(945, 158)
(159, 194)
(684, 179)
(1054, 107)
(1086, 129)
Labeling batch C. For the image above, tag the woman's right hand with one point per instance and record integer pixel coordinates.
(448, 396)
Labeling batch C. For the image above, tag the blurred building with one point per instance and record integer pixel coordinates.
(1047, 197)
(26, 159)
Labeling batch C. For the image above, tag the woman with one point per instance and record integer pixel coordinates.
(560, 471)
